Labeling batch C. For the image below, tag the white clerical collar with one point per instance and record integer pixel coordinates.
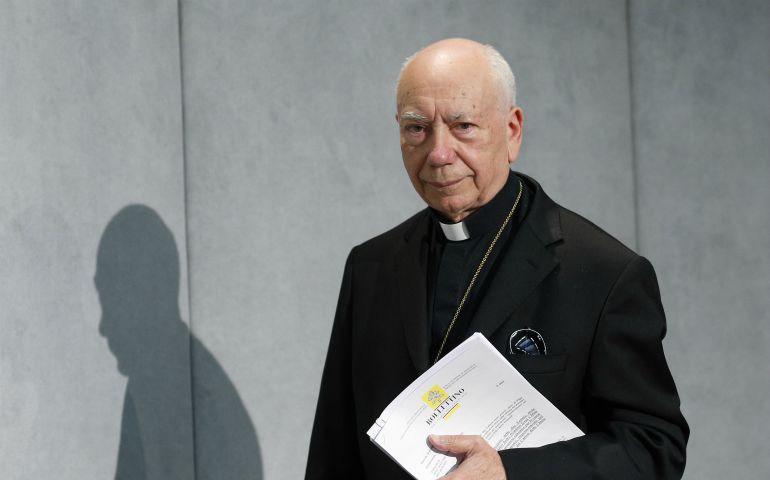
(455, 232)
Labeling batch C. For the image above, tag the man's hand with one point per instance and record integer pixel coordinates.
(478, 460)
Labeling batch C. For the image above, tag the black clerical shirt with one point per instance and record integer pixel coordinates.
(452, 263)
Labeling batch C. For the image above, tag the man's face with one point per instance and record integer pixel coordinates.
(457, 140)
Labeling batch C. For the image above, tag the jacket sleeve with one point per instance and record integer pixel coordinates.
(334, 450)
(634, 426)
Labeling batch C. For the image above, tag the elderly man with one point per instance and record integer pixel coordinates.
(493, 253)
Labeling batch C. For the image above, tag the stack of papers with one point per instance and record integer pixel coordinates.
(473, 390)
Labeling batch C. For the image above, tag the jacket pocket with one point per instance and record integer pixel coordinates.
(538, 364)
(544, 372)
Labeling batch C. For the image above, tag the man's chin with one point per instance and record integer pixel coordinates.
(122, 369)
(452, 212)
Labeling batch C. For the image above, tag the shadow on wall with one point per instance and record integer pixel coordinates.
(163, 436)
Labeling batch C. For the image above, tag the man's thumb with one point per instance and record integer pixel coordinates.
(456, 444)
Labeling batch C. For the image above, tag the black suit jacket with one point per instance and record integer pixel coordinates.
(595, 302)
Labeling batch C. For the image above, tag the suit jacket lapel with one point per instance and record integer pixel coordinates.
(406, 279)
(523, 266)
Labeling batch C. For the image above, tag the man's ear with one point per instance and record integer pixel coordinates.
(514, 128)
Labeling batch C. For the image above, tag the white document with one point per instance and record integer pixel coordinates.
(473, 390)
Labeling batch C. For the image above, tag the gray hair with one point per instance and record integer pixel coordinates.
(497, 64)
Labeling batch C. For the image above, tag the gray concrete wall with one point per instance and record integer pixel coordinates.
(90, 123)
(701, 76)
(257, 145)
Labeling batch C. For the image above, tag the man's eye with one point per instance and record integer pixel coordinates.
(465, 126)
(414, 128)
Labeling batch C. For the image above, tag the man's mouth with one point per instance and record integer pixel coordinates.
(445, 184)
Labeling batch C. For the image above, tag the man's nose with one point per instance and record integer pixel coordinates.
(442, 151)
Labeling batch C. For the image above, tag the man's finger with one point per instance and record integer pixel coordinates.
(456, 444)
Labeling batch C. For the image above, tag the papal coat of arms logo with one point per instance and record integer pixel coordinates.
(434, 396)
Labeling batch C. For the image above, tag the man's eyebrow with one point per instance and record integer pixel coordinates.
(414, 117)
(457, 116)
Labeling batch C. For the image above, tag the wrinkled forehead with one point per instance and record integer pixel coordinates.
(452, 96)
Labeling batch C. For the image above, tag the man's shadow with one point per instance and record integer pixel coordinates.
(182, 416)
